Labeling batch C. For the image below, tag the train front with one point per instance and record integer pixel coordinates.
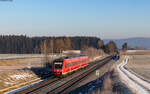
(57, 67)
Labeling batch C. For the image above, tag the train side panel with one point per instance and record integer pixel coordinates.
(85, 62)
(70, 65)
(66, 67)
(75, 64)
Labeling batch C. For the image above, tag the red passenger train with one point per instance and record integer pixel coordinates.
(63, 66)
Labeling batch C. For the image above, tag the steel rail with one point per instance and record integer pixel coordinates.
(38, 86)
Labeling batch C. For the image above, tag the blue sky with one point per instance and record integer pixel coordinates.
(101, 18)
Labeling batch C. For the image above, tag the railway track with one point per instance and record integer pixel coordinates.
(38, 86)
(51, 86)
(65, 88)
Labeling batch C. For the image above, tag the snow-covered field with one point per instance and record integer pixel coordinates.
(22, 88)
(8, 79)
(10, 62)
(131, 51)
(18, 56)
(140, 52)
(140, 65)
(138, 85)
(20, 69)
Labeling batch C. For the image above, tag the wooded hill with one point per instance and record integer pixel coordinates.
(23, 44)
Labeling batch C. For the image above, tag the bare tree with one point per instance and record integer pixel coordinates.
(51, 46)
(44, 51)
(111, 48)
(92, 52)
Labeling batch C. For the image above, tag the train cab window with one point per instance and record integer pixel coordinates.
(58, 65)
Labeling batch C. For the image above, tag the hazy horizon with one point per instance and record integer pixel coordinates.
(104, 19)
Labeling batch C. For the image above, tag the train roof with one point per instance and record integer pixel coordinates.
(76, 57)
(60, 59)
(66, 57)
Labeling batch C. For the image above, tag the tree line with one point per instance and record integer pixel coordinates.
(23, 44)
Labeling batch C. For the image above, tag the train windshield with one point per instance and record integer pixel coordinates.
(58, 65)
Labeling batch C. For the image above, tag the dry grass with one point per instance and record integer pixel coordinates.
(18, 61)
(15, 64)
(139, 52)
(14, 72)
(140, 65)
(22, 59)
(8, 79)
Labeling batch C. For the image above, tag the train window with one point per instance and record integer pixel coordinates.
(58, 65)
(74, 63)
(67, 65)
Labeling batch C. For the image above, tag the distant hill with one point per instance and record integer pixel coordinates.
(133, 42)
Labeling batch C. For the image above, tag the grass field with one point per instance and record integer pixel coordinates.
(16, 61)
(16, 69)
(12, 62)
(138, 52)
(12, 78)
(140, 65)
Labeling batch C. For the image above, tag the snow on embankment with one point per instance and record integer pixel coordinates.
(127, 77)
(15, 79)
(22, 88)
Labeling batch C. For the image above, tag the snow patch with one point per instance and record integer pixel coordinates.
(20, 76)
(138, 88)
(22, 88)
(131, 51)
